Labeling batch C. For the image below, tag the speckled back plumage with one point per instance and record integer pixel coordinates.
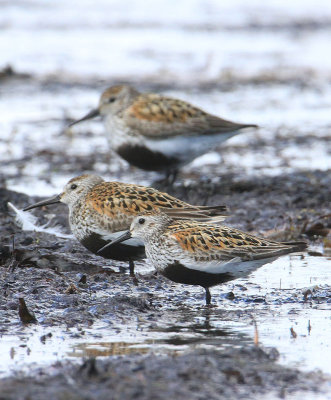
(156, 132)
(205, 247)
(197, 253)
(159, 117)
(111, 206)
(99, 211)
(205, 242)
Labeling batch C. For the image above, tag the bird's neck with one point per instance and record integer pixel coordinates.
(78, 218)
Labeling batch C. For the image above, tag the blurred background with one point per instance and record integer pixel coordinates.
(255, 62)
(263, 62)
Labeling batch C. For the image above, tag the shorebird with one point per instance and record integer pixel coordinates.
(202, 254)
(158, 133)
(100, 211)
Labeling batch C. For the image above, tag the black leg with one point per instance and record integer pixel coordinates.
(131, 268)
(208, 296)
(171, 176)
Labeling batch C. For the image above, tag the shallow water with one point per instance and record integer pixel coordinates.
(268, 295)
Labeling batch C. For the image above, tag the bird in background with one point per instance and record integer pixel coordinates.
(100, 211)
(198, 253)
(158, 133)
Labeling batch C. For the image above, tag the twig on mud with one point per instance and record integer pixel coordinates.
(256, 332)
(293, 333)
(25, 315)
(13, 262)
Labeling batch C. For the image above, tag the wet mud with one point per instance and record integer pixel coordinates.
(66, 288)
(236, 374)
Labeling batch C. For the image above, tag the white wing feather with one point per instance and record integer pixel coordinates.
(28, 222)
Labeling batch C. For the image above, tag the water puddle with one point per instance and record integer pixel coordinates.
(298, 329)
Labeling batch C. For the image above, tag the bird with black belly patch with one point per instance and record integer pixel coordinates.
(159, 133)
(197, 253)
(100, 211)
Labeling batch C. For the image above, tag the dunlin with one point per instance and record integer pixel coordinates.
(158, 133)
(202, 254)
(100, 211)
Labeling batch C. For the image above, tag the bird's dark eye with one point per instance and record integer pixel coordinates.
(141, 221)
(73, 186)
(112, 99)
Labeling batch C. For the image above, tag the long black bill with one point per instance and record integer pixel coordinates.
(52, 200)
(90, 115)
(122, 238)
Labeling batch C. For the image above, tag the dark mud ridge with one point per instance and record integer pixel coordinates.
(233, 374)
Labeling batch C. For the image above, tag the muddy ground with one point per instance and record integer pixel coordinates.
(235, 374)
(90, 330)
(69, 288)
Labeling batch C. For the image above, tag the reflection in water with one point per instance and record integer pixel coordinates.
(181, 327)
(104, 349)
(192, 328)
(206, 328)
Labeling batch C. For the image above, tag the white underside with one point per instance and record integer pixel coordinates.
(184, 148)
(161, 259)
(235, 267)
